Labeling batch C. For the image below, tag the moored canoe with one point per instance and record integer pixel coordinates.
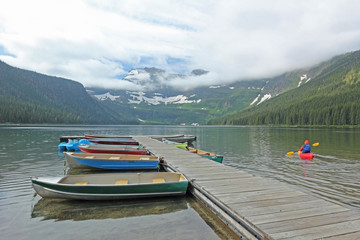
(112, 150)
(176, 144)
(209, 155)
(114, 141)
(88, 136)
(182, 139)
(110, 161)
(111, 186)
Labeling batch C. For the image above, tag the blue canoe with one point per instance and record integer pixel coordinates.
(110, 161)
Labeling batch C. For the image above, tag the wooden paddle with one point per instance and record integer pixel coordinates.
(314, 145)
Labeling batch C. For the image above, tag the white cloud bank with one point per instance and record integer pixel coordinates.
(94, 42)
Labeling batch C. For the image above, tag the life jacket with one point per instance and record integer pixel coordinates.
(306, 148)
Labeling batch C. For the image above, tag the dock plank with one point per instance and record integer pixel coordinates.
(275, 201)
(309, 222)
(218, 176)
(320, 231)
(273, 209)
(253, 194)
(347, 236)
(280, 196)
(236, 182)
(297, 214)
(253, 211)
(237, 189)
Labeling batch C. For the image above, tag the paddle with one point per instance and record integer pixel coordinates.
(314, 145)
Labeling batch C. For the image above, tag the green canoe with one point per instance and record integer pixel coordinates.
(209, 155)
(109, 186)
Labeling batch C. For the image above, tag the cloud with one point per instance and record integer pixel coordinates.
(97, 42)
(192, 81)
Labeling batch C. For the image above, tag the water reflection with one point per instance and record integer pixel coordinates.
(60, 210)
(306, 166)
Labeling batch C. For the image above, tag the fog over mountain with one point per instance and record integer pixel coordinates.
(150, 79)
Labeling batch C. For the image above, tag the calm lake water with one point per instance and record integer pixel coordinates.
(32, 151)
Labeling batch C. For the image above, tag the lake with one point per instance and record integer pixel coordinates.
(32, 151)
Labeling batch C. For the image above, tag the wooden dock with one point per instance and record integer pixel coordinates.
(255, 207)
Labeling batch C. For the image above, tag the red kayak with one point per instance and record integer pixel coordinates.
(113, 150)
(306, 156)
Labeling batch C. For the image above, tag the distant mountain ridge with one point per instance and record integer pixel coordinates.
(30, 97)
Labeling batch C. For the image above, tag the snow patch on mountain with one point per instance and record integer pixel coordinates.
(139, 97)
(105, 96)
(264, 98)
(255, 100)
(305, 78)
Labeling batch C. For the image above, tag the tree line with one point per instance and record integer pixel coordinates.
(15, 111)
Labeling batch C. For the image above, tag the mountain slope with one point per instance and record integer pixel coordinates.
(330, 98)
(172, 106)
(30, 97)
(168, 105)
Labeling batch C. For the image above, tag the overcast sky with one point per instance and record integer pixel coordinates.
(96, 42)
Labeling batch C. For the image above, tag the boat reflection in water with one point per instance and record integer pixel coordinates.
(60, 210)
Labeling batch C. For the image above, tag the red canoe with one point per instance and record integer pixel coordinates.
(114, 150)
(114, 141)
(87, 136)
(306, 156)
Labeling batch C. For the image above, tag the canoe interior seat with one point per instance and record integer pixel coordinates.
(158, 180)
(121, 182)
(81, 183)
(114, 158)
(145, 158)
(89, 157)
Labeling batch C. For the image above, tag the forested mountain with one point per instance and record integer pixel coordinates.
(330, 98)
(30, 97)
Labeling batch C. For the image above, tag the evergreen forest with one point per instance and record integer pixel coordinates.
(30, 97)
